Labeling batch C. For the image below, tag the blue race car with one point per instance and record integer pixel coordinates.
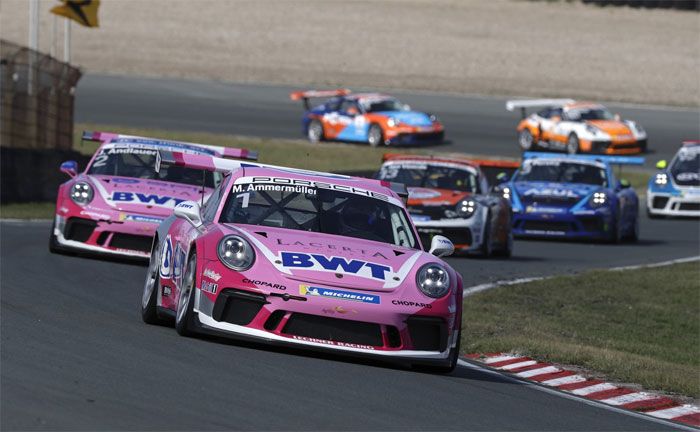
(371, 118)
(675, 189)
(572, 197)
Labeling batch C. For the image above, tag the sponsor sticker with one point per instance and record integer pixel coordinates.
(313, 291)
(265, 284)
(166, 254)
(334, 343)
(335, 264)
(420, 218)
(211, 274)
(411, 304)
(139, 218)
(209, 287)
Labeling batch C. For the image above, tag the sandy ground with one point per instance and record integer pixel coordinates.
(481, 47)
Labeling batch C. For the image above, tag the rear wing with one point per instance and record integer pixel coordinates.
(217, 164)
(611, 160)
(523, 105)
(218, 151)
(305, 95)
(491, 168)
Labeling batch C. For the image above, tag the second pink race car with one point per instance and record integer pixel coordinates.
(115, 205)
(318, 260)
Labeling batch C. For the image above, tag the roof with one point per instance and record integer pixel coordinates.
(455, 159)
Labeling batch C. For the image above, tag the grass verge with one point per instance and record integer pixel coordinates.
(640, 326)
(41, 210)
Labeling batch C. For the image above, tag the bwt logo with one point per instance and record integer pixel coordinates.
(151, 199)
(335, 264)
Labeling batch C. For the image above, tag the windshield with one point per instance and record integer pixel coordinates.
(562, 172)
(377, 105)
(431, 176)
(685, 168)
(589, 114)
(140, 163)
(319, 210)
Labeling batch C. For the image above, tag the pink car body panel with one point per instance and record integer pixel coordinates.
(313, 275)
(123, 216)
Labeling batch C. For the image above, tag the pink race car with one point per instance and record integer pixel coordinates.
(311, 259)
(115, 206)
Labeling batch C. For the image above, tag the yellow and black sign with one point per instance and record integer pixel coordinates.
(82, 11)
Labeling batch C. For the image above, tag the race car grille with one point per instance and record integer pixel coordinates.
(545, 226)
(591, 224)
(551, 201)
(333, 329)
(600, 146)
(427, 333)
(689, 207)
(237, 307)
(131, 242)
(659, 202)
(632, 145)
(79, 229)
(458, 236)
(419, 138)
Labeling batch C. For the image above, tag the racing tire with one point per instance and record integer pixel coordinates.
(314, 132)
(149, 298)
(486, 247)
(375, 135)
(615, 236)
(526, 140)
(633, 235)
(572, 144)
(507, 250)
(184, 316)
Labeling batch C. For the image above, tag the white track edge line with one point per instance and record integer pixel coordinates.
(591, 402)
(487, 286)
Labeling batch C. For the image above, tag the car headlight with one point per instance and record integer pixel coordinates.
(433, 280)
(639, 128)
(464, 209)
(433, 118)
(661, 179)
(236, 253)
(392, 122)
(81, 193)
(598, 199)
(506, 193)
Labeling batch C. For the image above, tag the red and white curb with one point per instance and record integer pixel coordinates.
(550, 375)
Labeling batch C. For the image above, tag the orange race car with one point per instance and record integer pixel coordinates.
(576, 127)
(450, 196)
(366, 117)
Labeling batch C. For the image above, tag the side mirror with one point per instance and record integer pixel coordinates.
(617, 117)
(661, 164)
(189, 211)
(70, 168)
(624, 184)
(441, 246)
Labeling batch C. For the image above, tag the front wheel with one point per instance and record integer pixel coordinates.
(572, 144)
(184, 318)
(315, 131)
(507, 250)
(149, 298)
(375, 136)
(486, 241)
(525, 139)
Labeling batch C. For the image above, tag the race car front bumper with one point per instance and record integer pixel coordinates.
(685, 203)
(579, 225)
(103, 233)
(608, 147)
(394, 328)
(415, 138)
(466, 234)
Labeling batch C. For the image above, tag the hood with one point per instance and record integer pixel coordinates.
(547, 194)
(611, 127)
(314, 258)
(411, 118)
(418, 196)
(144, 196)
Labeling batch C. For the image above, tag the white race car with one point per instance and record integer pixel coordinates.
(675, 189)
(576, 127)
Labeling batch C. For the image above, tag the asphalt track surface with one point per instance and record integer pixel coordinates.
(479, 125)
(76, 356)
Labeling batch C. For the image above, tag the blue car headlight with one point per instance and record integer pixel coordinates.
(661, 179)
(393, 122)
(598, 199)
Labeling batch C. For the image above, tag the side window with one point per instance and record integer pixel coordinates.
(349, 107)
(212, 204)
(545, 113)
(558, 112)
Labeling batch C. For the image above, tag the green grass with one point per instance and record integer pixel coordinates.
(640, 326)
(41, 210)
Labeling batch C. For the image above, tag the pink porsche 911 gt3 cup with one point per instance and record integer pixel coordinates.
(115, 205)
(311, 259)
